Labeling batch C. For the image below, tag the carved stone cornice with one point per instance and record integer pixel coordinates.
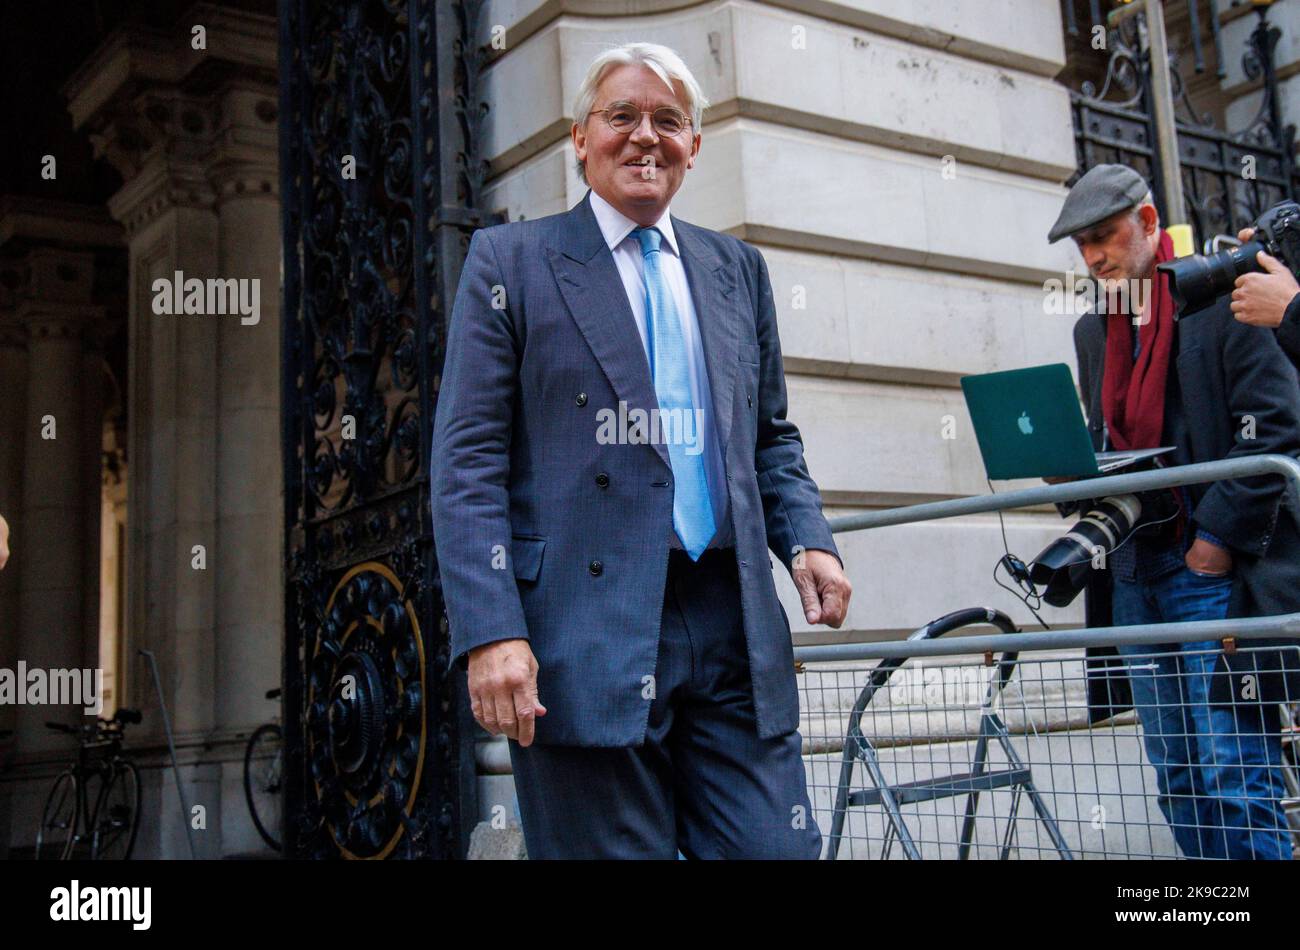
(184, 127)
(246, 159)
(58, 321)
(161, 143)
(48, 253)
(53, 293)
(29, 221)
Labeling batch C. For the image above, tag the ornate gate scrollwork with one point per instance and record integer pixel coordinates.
(366, 733)
(1115, 124)
(380, 179)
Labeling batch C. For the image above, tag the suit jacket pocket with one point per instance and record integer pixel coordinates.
(749, 353)
(526, 553)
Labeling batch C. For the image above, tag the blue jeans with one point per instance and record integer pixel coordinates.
(1218, 768)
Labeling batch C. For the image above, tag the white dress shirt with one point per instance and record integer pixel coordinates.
(617, 230)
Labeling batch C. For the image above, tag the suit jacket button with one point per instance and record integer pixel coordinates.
(602, 480)
(596, 568)
(580, 399)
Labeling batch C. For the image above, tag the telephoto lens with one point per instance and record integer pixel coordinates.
(1198, 280)
(1062, 569)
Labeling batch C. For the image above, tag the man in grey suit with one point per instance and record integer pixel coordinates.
(611, 462)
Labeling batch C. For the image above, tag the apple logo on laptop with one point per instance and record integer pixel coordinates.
(1026, 426)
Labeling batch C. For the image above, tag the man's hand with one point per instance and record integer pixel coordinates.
(4, 542)
(503, 688)
(1205, 557)
(1261, 299)
(822, 586)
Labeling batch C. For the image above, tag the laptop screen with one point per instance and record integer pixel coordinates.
(1029, 423)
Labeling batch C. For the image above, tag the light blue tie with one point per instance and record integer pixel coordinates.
(692, 511)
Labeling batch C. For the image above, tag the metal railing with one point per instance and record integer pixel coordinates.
(941, 750)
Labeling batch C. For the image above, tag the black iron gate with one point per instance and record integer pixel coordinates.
(380, 184)
(1228, 177)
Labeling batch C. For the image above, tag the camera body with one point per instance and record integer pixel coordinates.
(1196, 281)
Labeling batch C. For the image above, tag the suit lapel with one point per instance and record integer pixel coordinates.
(593, 291)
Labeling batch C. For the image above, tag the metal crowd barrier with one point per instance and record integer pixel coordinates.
(936, 748)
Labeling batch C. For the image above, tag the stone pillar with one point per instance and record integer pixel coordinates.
(171, 432)
(53, 626)
(52, 257)
(249, 508)
(193, 134)
(13, 396)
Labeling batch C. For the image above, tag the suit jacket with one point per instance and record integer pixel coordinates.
(545, 533)
(1223, 372)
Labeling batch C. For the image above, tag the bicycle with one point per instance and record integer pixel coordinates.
(67, 821)
(263, 768)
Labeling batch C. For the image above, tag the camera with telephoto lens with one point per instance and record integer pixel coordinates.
(1196, 281)
(1061, 569)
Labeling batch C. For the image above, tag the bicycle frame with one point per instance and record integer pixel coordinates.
(99, 755)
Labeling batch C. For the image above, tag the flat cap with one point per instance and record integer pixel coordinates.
(1105, 190)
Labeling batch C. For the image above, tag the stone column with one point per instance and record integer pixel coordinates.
(249, 508)
(52, 631)
(13, 396)
(167, 209)
(193, 134)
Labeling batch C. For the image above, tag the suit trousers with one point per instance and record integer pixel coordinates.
(702, 782)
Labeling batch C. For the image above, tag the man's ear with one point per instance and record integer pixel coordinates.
(579, 135)
(1150, 219)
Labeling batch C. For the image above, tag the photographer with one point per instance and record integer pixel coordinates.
(1214, 388)
(1270, 299)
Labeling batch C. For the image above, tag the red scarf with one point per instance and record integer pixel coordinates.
(1133, 394)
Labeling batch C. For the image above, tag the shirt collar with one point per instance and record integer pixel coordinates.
(616, 226)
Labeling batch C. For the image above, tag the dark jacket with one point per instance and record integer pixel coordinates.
(1223, 372)
(1288, 333)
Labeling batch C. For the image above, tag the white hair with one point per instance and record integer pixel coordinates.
(1147, 199)
(665, 63)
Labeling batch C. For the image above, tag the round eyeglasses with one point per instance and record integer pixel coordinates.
(623, 117)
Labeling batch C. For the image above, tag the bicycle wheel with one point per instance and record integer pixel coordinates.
(56, 833)
(116, 819)
(262, 784)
